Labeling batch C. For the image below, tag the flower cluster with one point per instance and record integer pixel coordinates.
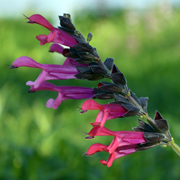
(83, 62)
(123, 143)
(69, 69)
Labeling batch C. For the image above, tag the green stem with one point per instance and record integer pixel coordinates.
(175, 147)
(147, 117)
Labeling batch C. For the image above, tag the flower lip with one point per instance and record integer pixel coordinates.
(38, 19)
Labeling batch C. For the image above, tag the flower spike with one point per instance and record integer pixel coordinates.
(83, 62)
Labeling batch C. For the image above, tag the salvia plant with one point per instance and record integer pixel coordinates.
(83, 62)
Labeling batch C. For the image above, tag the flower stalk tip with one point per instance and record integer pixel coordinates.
(174, 146)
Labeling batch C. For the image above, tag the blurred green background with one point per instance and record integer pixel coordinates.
(37, 143)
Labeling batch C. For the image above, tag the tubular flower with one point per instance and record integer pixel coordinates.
(64, 93)
(107, 111)
(49, 71)
(121, 138)
(124, 143)
(70, 68)
(117, 153)
(56, 35)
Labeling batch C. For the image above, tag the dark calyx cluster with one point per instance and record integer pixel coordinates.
(155, 131)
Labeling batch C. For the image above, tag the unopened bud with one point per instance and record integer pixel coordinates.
(89, 37)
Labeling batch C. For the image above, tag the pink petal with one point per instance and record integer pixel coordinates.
(105, 117)
(64, 38)
(30, 83)
(61, 76)
(119, 152)
(96, 148)
(85, 95)
(114, 110)
(42, 38)
(114, 144)
(109, 161)
(38, 19)
(100, 131)
(134, 137)
(99, 117)
(26, 61)
(60, 69)
(91, 105)
(51, 36)
(54, 68)
(42, 77)
(125, 150)
(54, 103)
(114, 107)
(56, 48)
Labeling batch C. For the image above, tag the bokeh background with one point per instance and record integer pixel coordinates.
(37, 143)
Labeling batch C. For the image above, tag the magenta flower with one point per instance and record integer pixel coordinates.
(49, 71)
(119, 152)
(64, 93)
(124, 143)
(107, 111)
(56, 35)
(120, 137)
